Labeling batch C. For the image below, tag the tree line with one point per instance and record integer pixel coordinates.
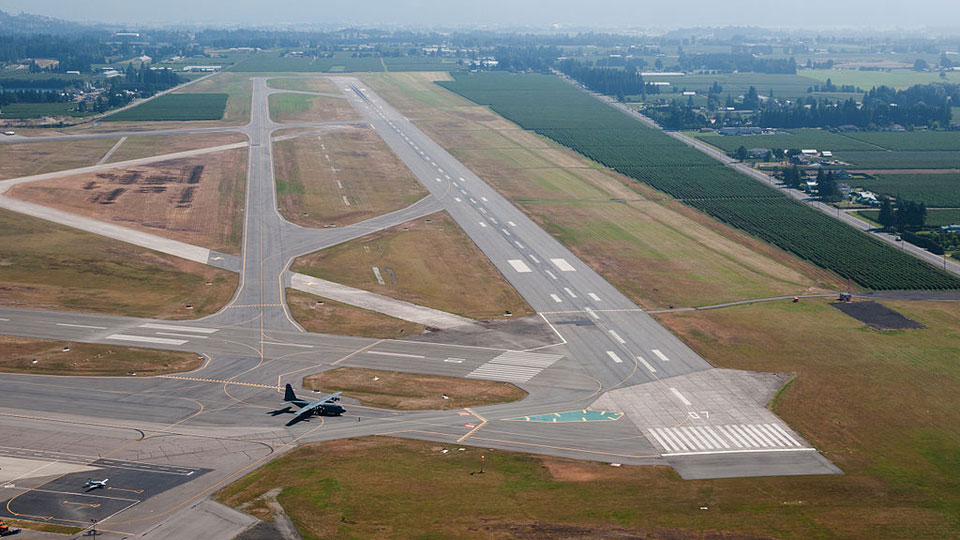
(610, 81)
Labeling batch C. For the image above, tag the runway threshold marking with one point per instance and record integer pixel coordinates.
(218, 381)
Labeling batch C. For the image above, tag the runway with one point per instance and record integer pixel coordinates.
(598, 353)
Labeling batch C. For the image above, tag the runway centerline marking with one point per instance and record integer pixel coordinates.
(593, 297)
(556, 298)
(617, 337)
(402, 355)
(286, 344)
(613, 356)
(646, 364)
(146, 339)
(175, 328)
(568, 291)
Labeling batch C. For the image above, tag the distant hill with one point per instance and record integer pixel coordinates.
(25, 23)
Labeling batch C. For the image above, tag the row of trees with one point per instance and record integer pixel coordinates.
(902, 216)
(613, 82)
(736, 62)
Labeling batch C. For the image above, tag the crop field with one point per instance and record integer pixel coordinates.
(910, 140)
(935, 217)
(736, 84)
(898, 78)
(239, 90)
(38, 110)
(920, 159)
(936, 190)
(175, 107)
(795, 138)
(553, 108)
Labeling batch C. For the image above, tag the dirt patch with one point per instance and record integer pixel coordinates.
(195, 200)
(328, 317)
(411, 391)
(49, 357)
(877, 316)
(570, 470)
(411, 251)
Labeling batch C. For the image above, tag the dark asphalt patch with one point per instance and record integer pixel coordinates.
(877, 316)
(65, 501)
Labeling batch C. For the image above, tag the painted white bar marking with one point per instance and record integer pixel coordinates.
(454, 360)
(76, 325)
(482, 224)
(593, 297)
(660, 355)
(785, 434)
(519, 245)
(758, 451)
(592, 313)
(567, 289)
(439, 180)
(732, 436)
(680, 396)
(145, 339)
(519, 265)
(549, 273)
(617, 337)
(646, 364)
(346, 202)
(286, 344)
(175, 328)
(379, 276)
(534, 259)
(4, 320)
(613, 356)
(695, 437)
(402, 355)
(506, 232)
(512, 224)
(484, 199)
(772, 435)
(180, 335)
(667, 434)
(747, 439)
(680, 436)
(458, 199)
(563, 265)
(705, 438)
(760, 436)
(662, 442)
(556, 298)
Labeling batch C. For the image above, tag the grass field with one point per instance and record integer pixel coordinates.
(48, 357)
(49, 266)
(140, 147)
(426, 262)
(174, 107)
(343, 320)
(411, 391)
(197, 200)
(935, 190)
(38, 110)
(557, 110)
(340, 62)
(239, 90)
(307, 108)
(42, 157)
(341, 177)
(901, 160)
(898, 78)
(303, 84)
(658, 252)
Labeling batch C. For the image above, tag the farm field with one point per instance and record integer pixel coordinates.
(38, 110)
(140, 147)
(307, 108)
(341, 177)
(795, 138)
(426, 262)
(48, 266)
(898, 78)
(935, 217)
(331, 317)
(551, 107)
(658, 252)
(196, 200)
(48, 357)
(736, 84)
(901, 160)
(31, 158)
(174, 107)
(412, 391)
(909, 140)
(936, 190)
(239, 90)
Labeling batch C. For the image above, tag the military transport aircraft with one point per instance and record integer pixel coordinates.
(328, 405)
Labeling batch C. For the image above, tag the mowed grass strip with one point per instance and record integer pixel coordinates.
(26, 159)
(174, 107)
(429, 262)
(340, 178)
(49, 357)
(325, 316)
(48, 266)
(412, 391)
(289, 107)
(883, 406)
(303, 84)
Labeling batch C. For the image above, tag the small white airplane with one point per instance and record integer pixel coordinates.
(94, 484)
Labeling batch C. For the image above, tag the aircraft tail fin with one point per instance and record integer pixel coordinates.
(288, 395)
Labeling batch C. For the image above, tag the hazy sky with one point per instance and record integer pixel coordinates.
(608, 13)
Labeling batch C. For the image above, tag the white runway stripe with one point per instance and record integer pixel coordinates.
(514, 366)
(731, 437)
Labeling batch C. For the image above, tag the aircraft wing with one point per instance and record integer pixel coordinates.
(313, 405)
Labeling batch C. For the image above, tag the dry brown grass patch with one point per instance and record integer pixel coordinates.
(27, 159)
(140, 147)
(49, 357)
(331, 317)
